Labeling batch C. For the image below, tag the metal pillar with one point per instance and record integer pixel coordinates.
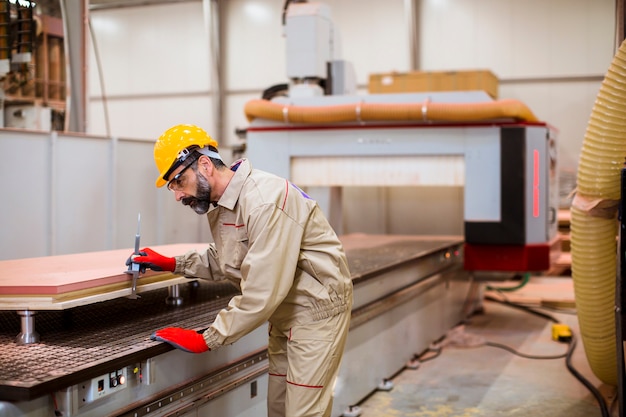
(28, 334)
(75, 18)
(412, 13)
(213, 18)
(173, 296)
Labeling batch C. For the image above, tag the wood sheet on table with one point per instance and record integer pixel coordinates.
(65, 281)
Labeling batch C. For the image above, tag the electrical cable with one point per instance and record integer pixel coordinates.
(524, 308)
(286, 6)
(275, 90)
(524, 355)
(568, 358)
(422, 357)
(568, 362)
(525, 281)
(284, 16)
(567, 355)
(425, 358)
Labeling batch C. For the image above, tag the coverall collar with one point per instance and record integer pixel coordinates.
(233, 190)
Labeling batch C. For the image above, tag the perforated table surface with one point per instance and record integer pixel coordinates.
(86, 341)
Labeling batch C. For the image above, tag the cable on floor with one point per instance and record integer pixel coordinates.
(458, 337)
(431, 353)
(568, 358)
(437, 352)
(525, 280)
(524, 355)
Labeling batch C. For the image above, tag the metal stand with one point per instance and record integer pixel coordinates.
(28, 334)
(173, 296)
(620, 296)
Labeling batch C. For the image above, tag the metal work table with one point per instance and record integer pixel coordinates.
(88, 341)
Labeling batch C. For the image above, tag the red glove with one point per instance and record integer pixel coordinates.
(148, 258)
(187, 340)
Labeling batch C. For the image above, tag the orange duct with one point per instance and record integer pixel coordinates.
(364, 112)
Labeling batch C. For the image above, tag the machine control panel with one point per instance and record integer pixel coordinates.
(103, 386)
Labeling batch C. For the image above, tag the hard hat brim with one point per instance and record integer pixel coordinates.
(160, 182)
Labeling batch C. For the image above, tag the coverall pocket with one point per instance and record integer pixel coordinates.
(239, 249)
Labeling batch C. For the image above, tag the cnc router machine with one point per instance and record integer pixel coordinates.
(507, 171)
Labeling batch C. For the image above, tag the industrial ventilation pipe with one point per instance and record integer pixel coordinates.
(593, 221)
(368, 112)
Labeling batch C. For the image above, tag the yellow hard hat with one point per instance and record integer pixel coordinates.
(170, 148)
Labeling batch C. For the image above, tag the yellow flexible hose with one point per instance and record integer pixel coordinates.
(593, 221)
(426, 111)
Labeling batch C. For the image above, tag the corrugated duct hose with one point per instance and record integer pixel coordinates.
(593, 221)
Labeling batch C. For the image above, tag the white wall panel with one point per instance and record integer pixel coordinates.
(83, 194)
(80, 193)
(24, 212)
(156, 49)
(155, 66)
(235, 115)
(255, 47)
(516, 39)
(374, 34)
(144, 117)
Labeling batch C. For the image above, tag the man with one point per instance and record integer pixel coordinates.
(273, 241)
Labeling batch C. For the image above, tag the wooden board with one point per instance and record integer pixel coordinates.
(64, 281)
(547, 291)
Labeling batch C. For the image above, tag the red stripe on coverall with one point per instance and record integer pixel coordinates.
(236, 226)
(305, 386)
(286, 193)
(293, 383)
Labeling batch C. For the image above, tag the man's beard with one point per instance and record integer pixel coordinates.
(202, 202)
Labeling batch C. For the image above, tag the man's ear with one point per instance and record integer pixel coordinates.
(205, 163)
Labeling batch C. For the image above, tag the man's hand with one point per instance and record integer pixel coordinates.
(183, 339)
(148, 258)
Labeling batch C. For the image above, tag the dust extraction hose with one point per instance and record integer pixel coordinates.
(363, 112)
(593, 221)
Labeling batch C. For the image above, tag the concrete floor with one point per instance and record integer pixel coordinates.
(478, 380)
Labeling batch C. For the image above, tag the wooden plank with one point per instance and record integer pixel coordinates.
(62, 274)
(67, 281)
(564, 217)
(546, 291)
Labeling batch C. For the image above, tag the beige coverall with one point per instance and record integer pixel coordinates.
(273, 241)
